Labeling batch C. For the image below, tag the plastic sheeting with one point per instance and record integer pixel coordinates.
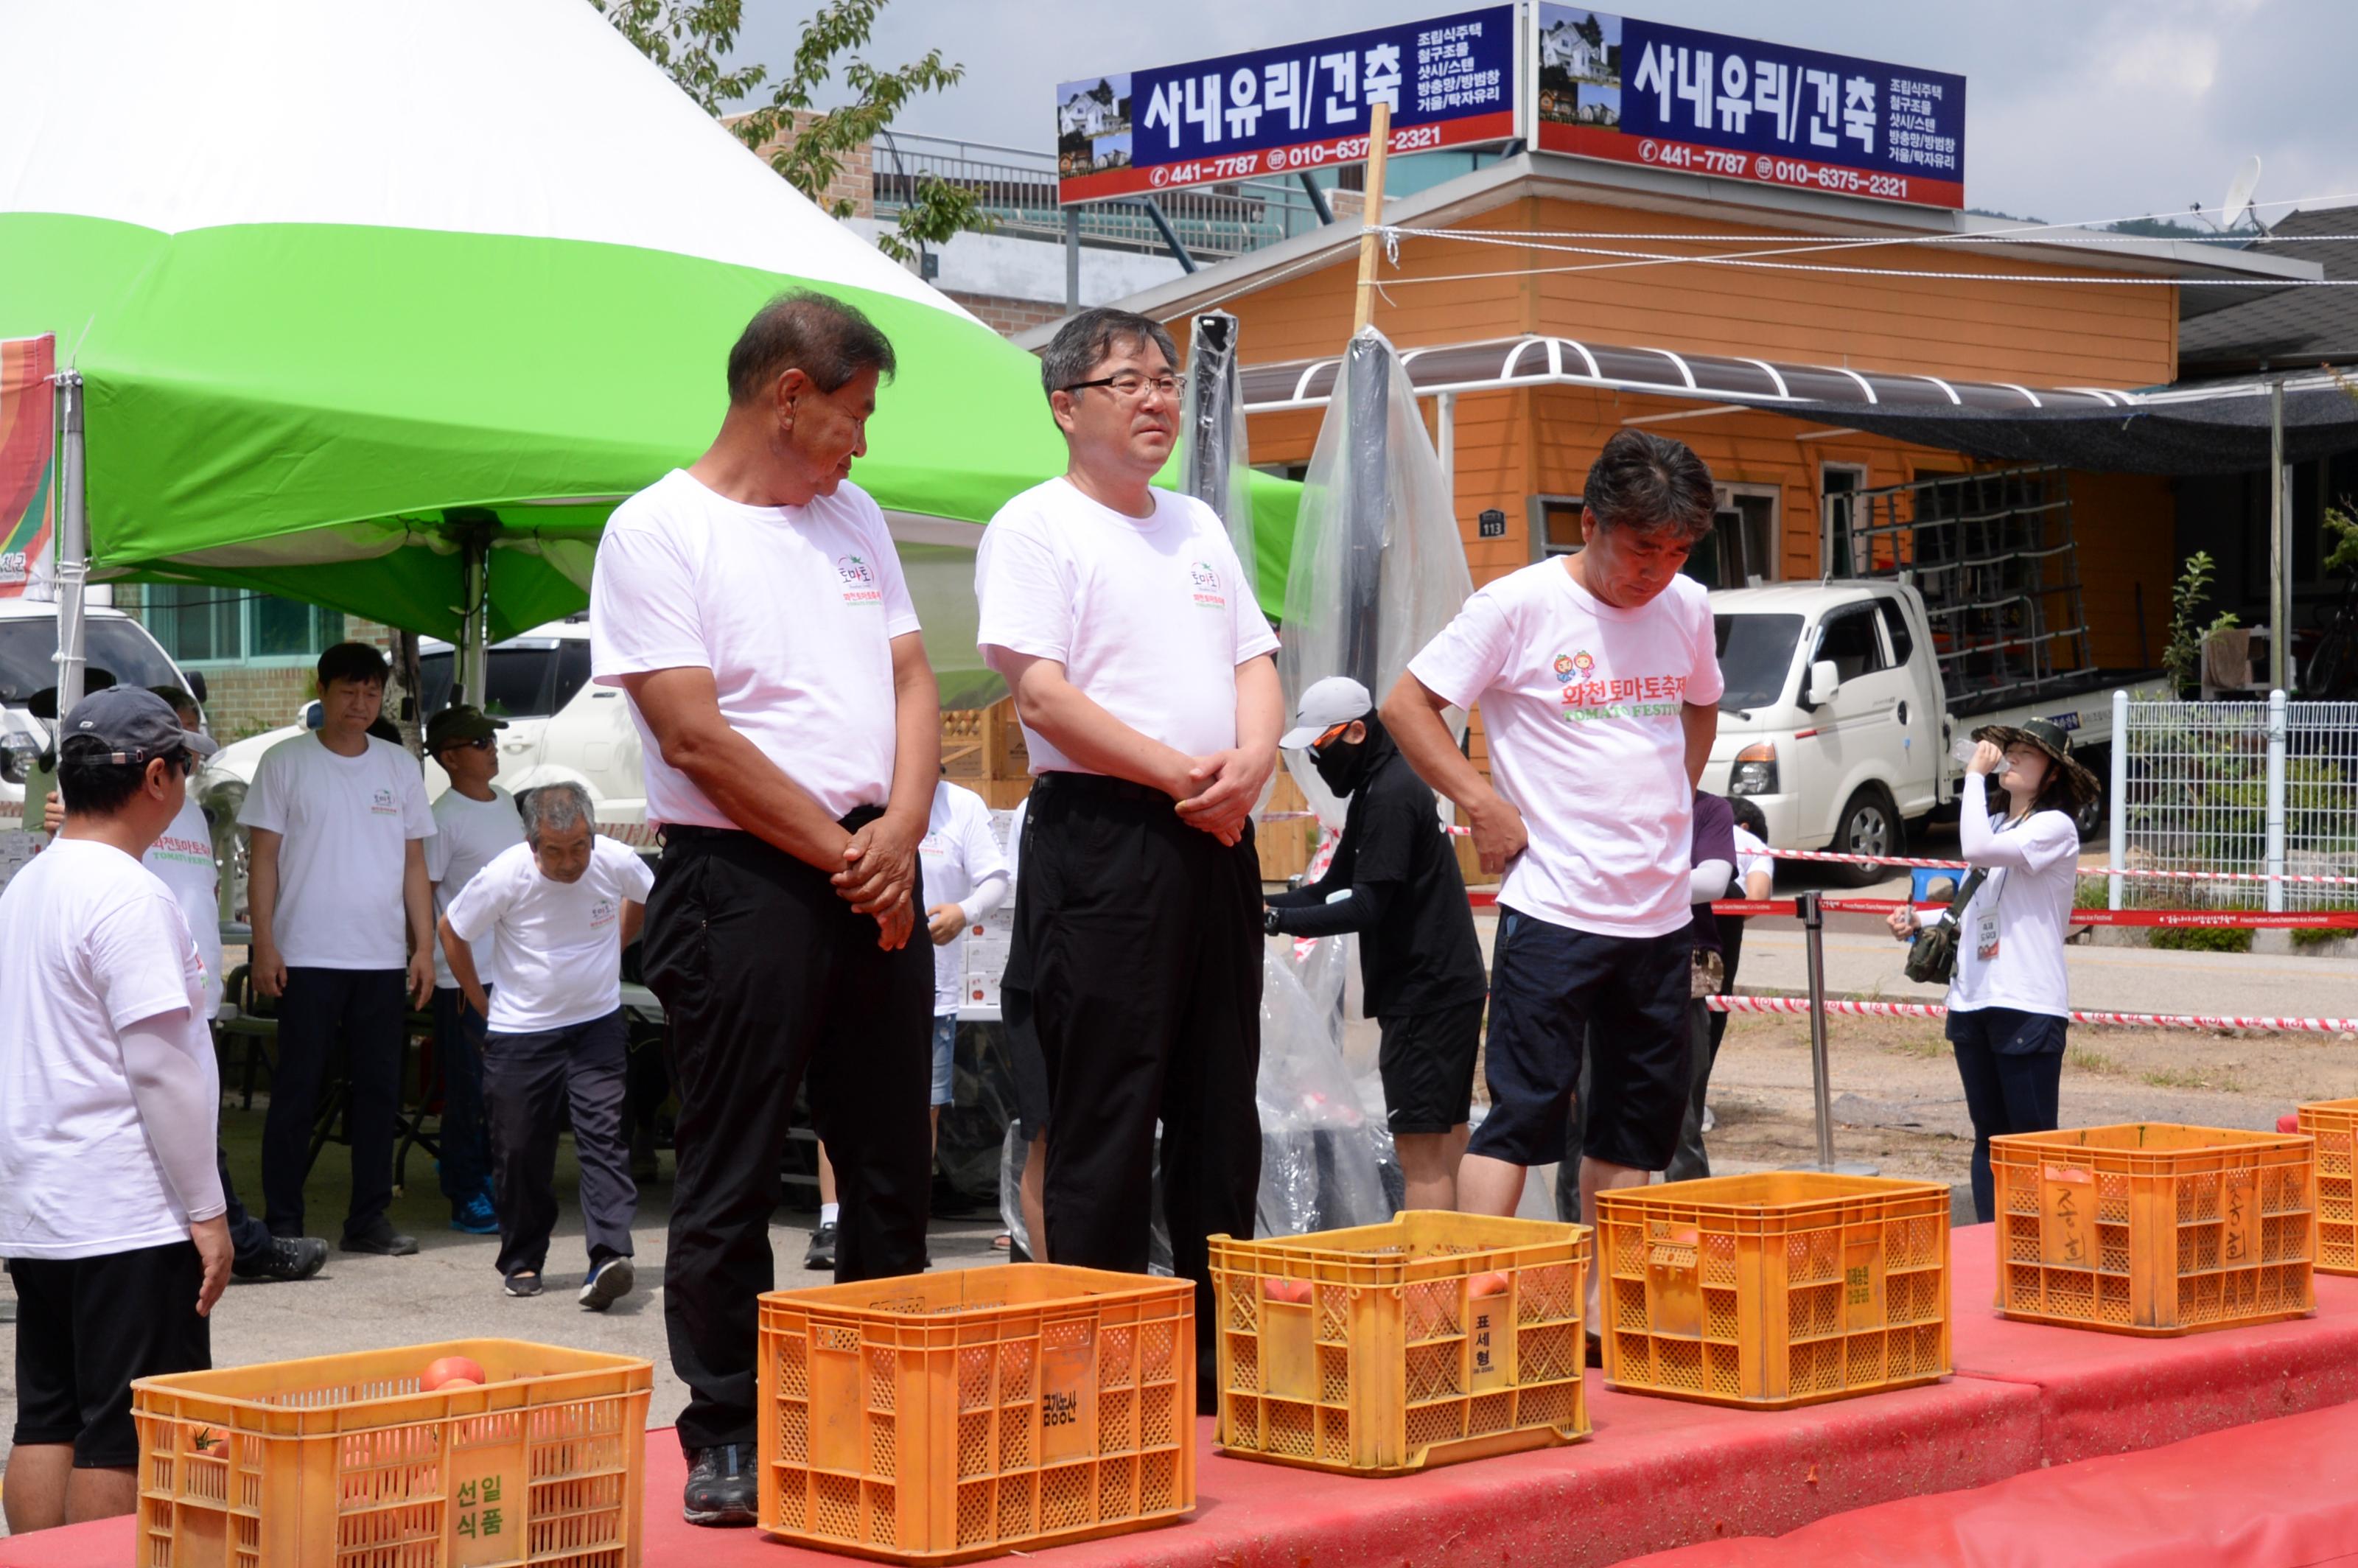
(1215, 465)
(1379, 566)
(1016, 1153)
(1322, 1153)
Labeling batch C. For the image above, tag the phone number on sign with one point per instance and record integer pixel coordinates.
(1774, 170)
(1277, 160)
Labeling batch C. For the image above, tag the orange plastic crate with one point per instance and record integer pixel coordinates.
(1786, 1287)
(2334, 1124)
(2154, 1228)
(939, 1418)
(1385, 1349)
(339, 1462)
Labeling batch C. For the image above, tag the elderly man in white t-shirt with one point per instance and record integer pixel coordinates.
(555, 912)
(754, 608)
(1598, 686)
(110, 1206)
(1127, 629)
(343, 936)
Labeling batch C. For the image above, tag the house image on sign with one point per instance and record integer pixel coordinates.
(1091, 112)
(1580, 50)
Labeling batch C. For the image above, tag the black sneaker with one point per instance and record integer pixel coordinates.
(721, 1490)
(822, 1249)
(385, 1241)
(608, 1282)
(287, 1257)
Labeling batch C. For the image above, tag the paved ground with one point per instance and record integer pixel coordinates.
(1896, 1104)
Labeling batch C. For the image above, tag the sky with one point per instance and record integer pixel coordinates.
(2076, 110)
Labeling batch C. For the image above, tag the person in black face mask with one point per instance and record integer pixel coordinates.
(1394, 880)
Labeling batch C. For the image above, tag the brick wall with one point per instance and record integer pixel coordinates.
(1008, 317)
(854, 182)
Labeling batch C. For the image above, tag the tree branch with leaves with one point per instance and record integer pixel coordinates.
(691, 40)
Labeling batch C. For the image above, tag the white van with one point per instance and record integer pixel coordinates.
(115, 644)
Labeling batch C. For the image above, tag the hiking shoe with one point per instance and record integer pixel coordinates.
(522, 1283)
(608, 1282)
(822, 1249)
(475, 1217)
(287, 1257)
(385, 1241)
(721, 1490)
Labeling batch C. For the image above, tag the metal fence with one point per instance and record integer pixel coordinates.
(2234, 786)
(1018, 190)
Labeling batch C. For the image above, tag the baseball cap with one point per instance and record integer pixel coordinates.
(1337, 700)
(453, 725)
(133, 723)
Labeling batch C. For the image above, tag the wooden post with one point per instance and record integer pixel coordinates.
(1379, 137)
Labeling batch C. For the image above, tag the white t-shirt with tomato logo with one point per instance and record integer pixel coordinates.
(958, 855)
(347, 823)
(557, 946)
(1581, 705)
(793, 609)
(1149, 616)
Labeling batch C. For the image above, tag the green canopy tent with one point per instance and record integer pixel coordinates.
(371, 302)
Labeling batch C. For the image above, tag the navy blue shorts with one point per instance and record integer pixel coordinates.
(1549, 985)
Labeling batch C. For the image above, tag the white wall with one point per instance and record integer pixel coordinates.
(1013, 268)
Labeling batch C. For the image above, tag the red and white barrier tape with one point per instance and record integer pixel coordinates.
(2223, 919)
(2303, 877)
(1794, 1004)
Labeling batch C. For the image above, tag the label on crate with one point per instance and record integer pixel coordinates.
(1488, 1322)
(2239, 1213)
(486, 1507)
(1068, 1383)
(2068, 1201)
(1674, 1286)
(1863, 1283)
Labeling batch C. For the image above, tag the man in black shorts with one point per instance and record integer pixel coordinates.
(112, 1216)
(1394, 880)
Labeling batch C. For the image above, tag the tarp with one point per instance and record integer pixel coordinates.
(333, 272)
(2192, 430)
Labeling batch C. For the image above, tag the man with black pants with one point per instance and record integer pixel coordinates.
(343, 935)
(754, 608)
(1394, 880)
(1127, 630)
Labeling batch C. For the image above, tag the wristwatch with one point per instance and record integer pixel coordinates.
(1268, 922)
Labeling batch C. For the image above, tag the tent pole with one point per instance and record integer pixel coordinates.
(474, 631)
(1371, 214)
(1366, 378)
(72, 547)
(2277, 520)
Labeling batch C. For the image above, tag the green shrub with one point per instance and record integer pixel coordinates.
(2202, 939)
(2318, 936)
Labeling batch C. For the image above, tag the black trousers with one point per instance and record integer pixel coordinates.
(766, 974)
(530, 1081)
(2012, 1066)
(1138, 951)
(249, 1238)
(366, 1007)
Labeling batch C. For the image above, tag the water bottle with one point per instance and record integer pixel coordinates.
(1961, 753)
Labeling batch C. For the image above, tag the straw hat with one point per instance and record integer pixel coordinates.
(2056, 742)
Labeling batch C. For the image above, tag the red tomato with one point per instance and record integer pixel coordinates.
(1286, 1289)
(1492, 1284)
(451, 1370)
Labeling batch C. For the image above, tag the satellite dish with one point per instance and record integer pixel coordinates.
(2239, 193)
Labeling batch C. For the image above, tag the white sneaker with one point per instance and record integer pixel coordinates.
(1709, 1120)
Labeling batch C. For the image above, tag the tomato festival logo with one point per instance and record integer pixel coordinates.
(383, 804)
(859, 580)
(1207, 585)
(1586, 695)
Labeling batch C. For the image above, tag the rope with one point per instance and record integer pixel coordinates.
(2303, 877)
(1794, 1004)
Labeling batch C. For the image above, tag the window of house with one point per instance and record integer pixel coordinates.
(201, 624)
(1555, 526)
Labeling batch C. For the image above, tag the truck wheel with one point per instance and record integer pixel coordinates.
(1870, 826)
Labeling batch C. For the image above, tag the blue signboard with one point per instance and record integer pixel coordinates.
(1450, 81)
(1640, 92)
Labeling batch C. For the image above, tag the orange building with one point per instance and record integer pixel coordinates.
(1529, 349)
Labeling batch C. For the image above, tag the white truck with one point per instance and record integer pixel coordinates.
(1836, 721)
(115, 646)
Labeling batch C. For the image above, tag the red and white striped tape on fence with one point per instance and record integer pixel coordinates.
(2221, 919)
(1795, 1004)
(1917, 863)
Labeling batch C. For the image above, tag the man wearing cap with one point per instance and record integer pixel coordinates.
(474, 820)
(110, 1208)
(343, 934)
(2010, 999)
(1394, 880)
(182, 858)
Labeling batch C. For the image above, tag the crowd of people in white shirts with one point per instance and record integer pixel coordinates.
(752, 608)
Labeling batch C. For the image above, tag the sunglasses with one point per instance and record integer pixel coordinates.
(479, 744)
(1331, 735)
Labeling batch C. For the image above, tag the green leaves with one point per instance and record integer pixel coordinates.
(809, 147)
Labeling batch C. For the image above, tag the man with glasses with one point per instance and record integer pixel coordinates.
(475, 822)
(1394, 880)
(1127, 629)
